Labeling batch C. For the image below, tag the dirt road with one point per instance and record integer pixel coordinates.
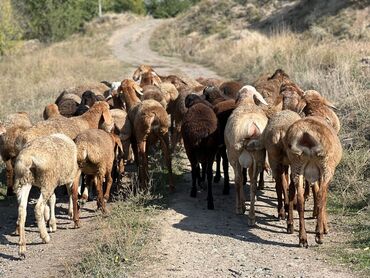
(196, 242)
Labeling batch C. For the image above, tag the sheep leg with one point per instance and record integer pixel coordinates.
(76, 208)
(321, 226)
(225, 166)
(307, 191)
(52, 220)
(245, 178)
(300, 208)
(9, 178)
(99, 191)
(165, 142)
(70, 204)
(109, 181)
(143, 166)
(22, 196)
(279, 177)
(39, 214)
(210, 204)
(240, 199)
(290, 224)
(253, 191)
(285, 185)
(315, 190)
(218, 167)
(194, 177)
(261, 182)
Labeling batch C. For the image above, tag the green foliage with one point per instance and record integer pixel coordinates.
(168, 8)
(135, 6)
(9, 29)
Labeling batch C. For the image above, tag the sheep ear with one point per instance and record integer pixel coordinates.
(107, 117)
(106, 83)
(329, 104)
(259, 97)
(138, 89)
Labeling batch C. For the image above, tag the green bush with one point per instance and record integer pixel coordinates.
(9, 29)
(168, 8)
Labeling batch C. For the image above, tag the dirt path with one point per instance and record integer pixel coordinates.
(196, 242)
(43, 260)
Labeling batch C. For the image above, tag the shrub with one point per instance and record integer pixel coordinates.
(9, 29)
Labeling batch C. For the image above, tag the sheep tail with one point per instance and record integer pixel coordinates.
(307, 145)
(22, 171)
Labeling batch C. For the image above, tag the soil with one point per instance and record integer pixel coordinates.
(193, 241)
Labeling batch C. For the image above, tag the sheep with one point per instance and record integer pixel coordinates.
(51, 111)
(201, 139)
(69, 99)
(95, 158)
(230, 89)
(111, 95)
(88, 99)
(146, 119)
(46, 162)
(223, 111)
(242, 131)
(13, 126)
(273, 138)
(314, 151)
(71, 127)
(209, 82)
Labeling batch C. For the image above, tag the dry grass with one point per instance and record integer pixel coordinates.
(30, 80)
(336, 68)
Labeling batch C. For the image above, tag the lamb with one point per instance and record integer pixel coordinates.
(71, 127)
(13, 126)
(46, 163)
(243, 129)
(95, 157)
(314, 151)
(201, 139)
(146, 119)
(273, 138)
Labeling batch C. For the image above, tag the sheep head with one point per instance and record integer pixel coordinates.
(127, 92)
(141, 70)
(280, 75)
(249, 93)
(315, 96)
(292, 98)
(150, 78)
(51, 110)
(102, 108)
(193, 99)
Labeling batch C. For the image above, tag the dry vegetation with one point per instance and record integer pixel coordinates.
(228, 37)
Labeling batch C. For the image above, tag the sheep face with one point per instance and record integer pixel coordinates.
(141, 70)
(280, 75)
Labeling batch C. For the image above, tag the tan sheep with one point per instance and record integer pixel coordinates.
(71, 127)
(146, 119)
(243, 129)
(273, 138)
(46, 163)
(51, 111)
(314, 151)
(95, 157)
(11, 128)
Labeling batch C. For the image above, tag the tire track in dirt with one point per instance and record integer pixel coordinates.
(196, 242)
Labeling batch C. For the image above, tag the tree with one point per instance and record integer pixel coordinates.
(9, 29)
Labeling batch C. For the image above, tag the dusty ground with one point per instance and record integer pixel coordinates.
(194, 242)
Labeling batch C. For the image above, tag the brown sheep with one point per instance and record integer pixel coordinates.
(146, 119)
(201, 139)
(314, 151)
(95, 158)
(71, 127)
(13, 126)
(230, 89)
(51, 111)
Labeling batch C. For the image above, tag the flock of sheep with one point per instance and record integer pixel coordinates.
(94, 129)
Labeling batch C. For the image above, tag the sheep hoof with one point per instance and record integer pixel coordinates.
(193, 193)
(217, 178)
(290, 229)
(46, 239)
(318, 238)
(303, 243)
(77, 225)
(211, 205)
(22, 256)
(281, 216)
(251, 222)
